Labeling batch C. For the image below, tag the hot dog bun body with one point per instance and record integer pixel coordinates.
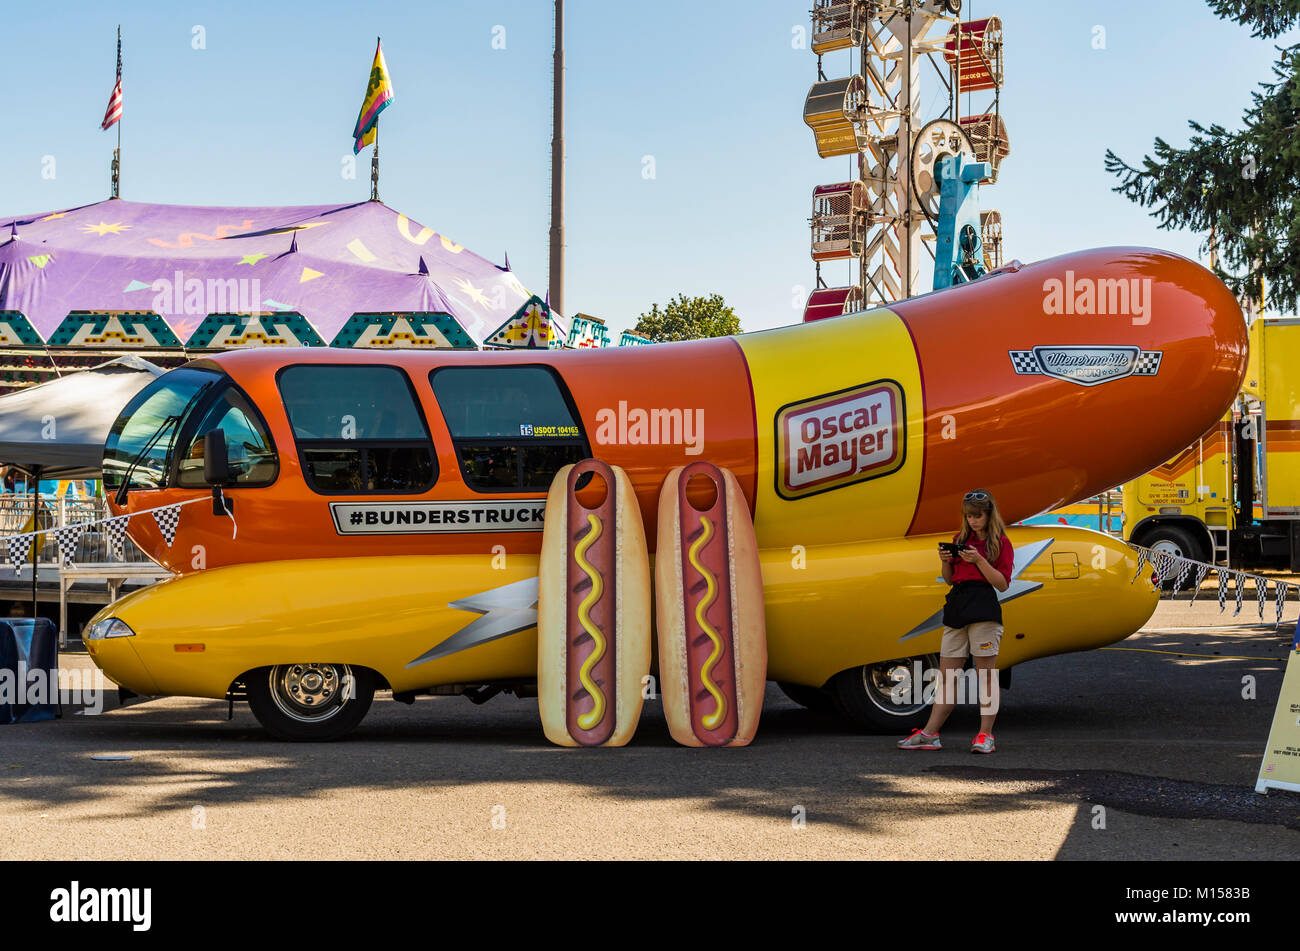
(709, 612)
(593, 610)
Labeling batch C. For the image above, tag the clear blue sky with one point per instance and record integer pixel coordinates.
(712, 90)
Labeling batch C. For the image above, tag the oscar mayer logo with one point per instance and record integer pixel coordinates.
(839, 439)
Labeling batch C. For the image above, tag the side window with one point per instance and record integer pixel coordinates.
(358, 430)
(253, 460)
(513, 427)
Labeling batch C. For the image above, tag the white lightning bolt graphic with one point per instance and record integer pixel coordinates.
(506, 610)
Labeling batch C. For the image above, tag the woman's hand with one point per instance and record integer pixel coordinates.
(971, 556)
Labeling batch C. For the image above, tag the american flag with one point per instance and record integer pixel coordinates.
(114, 111)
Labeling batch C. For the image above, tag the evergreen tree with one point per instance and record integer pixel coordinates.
(1243, 186)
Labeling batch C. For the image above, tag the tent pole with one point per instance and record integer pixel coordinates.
(36, 526)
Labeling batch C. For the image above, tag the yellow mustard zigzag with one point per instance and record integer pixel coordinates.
(712, 720)
(592, 717)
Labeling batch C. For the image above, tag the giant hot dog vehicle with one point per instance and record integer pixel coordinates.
(380, 518)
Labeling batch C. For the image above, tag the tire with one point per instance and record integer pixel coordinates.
(864, 695)
(307, 702)
(813, 698)
(1175, 540)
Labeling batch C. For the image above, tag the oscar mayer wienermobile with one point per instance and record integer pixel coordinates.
(400, 520)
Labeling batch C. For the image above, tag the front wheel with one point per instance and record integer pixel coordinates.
(886, 697)
(310, 702)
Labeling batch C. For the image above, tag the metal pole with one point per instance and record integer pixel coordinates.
(36, 525)
(905, 159)
(374, 167)
(557, 168)
(117, 153)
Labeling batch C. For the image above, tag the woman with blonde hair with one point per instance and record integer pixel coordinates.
(977, 563)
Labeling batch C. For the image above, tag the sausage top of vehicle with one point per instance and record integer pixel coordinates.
(1040, 383)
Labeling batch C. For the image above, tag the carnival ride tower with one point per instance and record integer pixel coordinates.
(886, 217)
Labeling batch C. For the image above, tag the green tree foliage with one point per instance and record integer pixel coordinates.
(686, 318)
(1244, 185)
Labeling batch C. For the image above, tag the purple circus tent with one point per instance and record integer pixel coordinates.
(326, 262)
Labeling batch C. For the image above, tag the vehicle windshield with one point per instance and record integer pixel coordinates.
(153, 416)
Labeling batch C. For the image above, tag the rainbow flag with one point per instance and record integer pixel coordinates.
(379, 94)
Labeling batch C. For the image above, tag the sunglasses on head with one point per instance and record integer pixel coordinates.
(975, 497)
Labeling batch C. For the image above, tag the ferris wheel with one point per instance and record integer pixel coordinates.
(885, 217)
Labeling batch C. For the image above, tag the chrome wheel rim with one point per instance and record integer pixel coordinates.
(1169, 548)
(890, 679)
(310, 693)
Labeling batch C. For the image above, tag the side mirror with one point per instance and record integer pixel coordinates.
(216, 464)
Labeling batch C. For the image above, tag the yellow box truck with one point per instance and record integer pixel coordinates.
(1233, 497)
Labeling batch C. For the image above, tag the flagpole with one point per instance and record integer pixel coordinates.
(374, 167)
(117, 153)
(374, 158)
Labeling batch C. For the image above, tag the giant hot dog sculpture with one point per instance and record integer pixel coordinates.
(593, 624)
(709, 610)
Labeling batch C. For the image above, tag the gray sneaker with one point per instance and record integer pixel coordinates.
(983, 743)
(920, 741)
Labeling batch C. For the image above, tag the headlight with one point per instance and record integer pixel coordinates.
(109, 627)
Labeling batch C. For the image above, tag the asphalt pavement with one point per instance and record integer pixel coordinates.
(1147, 750)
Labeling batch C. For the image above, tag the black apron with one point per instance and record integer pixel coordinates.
(970, 602)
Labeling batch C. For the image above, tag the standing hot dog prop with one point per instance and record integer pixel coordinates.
(593, 626)
(709, 610)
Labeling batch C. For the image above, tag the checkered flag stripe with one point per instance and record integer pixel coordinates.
(19, 551)
(116, 528)
(1223, 591)
(167, 519)
(67, 538)
(1025, 362)
(1261, 592)
(1282, 589)
(1239, 579)
(1147, 363)
(1201, 572)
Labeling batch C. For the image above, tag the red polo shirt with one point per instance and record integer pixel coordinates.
(961, 571)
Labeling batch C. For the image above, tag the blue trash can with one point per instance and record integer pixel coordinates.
(27, 645)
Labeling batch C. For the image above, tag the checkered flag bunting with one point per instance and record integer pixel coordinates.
(1283, 589)
(20, 547)
(1201, 572)
(1142, 560)
(1239, 580)
(1184, 569)
(167, 519)
(67, 538)
(1223, 590)
(116, 529)
(1261, 592)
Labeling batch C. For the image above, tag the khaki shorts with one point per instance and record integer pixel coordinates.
(980, 639)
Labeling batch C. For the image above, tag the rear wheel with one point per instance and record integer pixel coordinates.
(886, 697)
(310, 702)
